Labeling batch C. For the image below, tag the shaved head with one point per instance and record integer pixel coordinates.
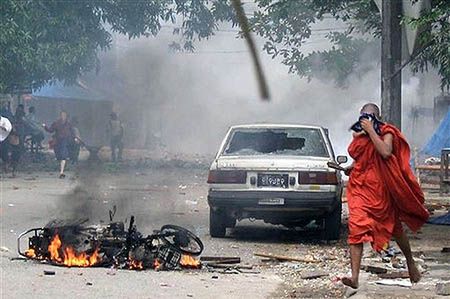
(371, 108)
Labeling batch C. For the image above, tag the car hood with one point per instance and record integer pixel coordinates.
(271, 163)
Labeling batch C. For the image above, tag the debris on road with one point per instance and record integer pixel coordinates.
(220, 260)
(286, 258)
(226, 265)
(443, 288)
(237, 267)
(330, 259)
(18, 259)
(394, 275)
(314, 275)
(374, 269)
(49, 272)
(395, 282)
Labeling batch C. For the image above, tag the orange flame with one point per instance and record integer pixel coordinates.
(157, 265)
(30, 253)
(188, 261)
(69, 256)
(135, 265)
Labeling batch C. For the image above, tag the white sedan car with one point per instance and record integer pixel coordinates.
(277, 173)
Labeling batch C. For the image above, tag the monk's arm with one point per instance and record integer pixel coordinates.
(382, 145)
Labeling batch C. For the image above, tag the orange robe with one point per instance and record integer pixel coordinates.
(382, 193)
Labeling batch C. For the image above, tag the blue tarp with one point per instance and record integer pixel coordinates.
(440, 139)
(60, 91)
(442, 220)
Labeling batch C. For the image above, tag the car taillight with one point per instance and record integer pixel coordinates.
(317, 178)
(227, 177)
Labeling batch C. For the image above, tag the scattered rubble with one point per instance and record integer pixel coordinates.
(443, 288)
(394, 275)
(314, 275)
(220, 260)
(395, 282)
(374, 269)
(286, 258)
(332, 260)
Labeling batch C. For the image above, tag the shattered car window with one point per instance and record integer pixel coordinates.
(289, 141)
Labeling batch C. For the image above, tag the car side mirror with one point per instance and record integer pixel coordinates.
(341, 159)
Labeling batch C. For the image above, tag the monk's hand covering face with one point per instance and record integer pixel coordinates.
(367, 126)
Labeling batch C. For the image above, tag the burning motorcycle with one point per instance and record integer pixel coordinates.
(72, 244)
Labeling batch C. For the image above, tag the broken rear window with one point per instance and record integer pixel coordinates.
(289, 141)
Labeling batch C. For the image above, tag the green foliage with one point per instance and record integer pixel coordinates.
(46, 40)
(435, 41)
(288, 25)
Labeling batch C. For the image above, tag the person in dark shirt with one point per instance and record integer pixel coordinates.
(6, 111)
(33, 129)
(10, 152)
(62, 130)
(19, 124)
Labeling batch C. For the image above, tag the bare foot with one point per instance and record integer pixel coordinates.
(349, 282)
(414, 273)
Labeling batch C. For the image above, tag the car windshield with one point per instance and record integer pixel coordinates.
(283, 141)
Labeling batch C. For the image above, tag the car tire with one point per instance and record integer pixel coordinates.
(332, 227)
(217, 224)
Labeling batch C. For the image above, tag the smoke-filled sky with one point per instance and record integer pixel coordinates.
(190, 99)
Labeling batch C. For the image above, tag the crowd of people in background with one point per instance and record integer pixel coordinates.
(25, 130)
(28, 133)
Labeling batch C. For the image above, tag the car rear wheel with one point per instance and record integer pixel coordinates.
(230, 222)
(217, 223)
(333, 223)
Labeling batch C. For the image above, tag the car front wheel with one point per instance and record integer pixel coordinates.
(217, 224)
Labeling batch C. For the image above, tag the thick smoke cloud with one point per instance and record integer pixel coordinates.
(188, 100)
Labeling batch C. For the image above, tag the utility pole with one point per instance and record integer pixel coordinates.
(391, 56)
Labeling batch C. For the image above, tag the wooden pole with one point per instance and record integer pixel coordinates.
(246, 31)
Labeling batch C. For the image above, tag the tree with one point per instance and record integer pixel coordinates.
(46, 40)
(435, 41)
(287, 25)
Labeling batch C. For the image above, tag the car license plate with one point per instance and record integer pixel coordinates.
(273, 180)
(271, 201)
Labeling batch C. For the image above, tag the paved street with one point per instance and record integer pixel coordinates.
(177, 195)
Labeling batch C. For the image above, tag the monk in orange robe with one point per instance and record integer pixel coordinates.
(382, 193)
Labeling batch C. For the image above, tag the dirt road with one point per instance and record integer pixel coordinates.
(177, 195)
